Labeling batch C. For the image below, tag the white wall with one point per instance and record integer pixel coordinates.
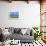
(29, 14)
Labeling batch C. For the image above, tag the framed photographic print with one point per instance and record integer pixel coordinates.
(14, 14)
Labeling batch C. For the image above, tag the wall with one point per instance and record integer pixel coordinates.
(29, 14)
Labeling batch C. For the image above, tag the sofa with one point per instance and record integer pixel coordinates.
(17, 34)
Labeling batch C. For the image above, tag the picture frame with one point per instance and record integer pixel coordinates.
(14, 15)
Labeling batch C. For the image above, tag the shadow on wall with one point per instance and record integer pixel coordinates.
(1, 35)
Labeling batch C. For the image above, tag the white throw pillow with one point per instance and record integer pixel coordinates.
(23, 31)
(5, 32)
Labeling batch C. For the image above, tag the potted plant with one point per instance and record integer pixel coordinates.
(37, 33)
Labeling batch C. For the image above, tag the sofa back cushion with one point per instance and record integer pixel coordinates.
(11, 29)
(17, 30)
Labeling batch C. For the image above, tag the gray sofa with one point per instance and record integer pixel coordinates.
(17, 35)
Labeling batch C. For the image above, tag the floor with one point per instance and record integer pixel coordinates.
(35, 43)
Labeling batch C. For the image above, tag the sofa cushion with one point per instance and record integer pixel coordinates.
(23, 30)
(22, 38)
(11, 29)
(17, 30)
